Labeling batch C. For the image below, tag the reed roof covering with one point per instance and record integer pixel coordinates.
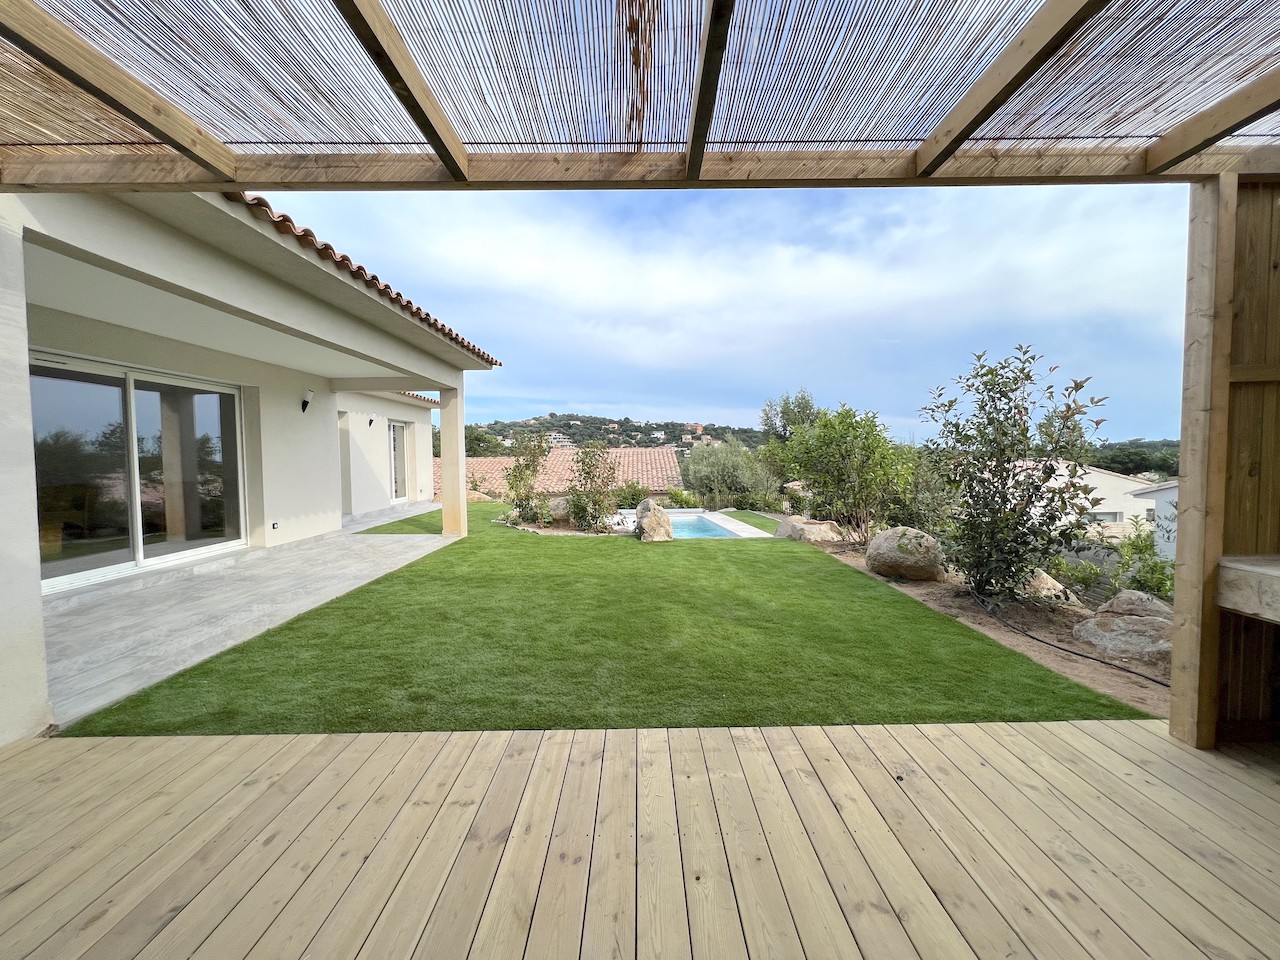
(228, 94)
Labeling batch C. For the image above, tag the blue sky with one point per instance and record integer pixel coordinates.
(701, 305)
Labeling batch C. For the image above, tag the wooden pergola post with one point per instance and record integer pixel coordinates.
(453, 463)
(1211, 243)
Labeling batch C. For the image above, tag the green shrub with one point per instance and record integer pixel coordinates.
(681, 499)
(530, 453)
(592, 495)
(630, 494)
(1139, 565)
(1080, 576)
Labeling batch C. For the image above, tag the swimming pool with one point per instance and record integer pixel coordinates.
(695, 527)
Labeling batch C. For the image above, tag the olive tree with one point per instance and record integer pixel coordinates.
(1011, 442)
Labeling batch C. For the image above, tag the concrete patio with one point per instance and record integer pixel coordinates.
(112, 639)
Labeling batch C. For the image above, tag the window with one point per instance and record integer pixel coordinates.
(130, 468)
(1106, 516)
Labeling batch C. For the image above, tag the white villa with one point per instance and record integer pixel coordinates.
(200, 377)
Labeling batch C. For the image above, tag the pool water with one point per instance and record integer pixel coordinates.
(697, 528)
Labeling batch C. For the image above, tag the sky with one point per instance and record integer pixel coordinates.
(701, 305)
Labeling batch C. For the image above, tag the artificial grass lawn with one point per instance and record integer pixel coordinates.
(507, 629)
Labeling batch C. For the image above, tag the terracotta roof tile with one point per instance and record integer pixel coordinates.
(654, 467)
(307, 239)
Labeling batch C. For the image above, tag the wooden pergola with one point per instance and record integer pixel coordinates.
(224, 95)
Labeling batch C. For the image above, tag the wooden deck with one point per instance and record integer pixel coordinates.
(1102, 840)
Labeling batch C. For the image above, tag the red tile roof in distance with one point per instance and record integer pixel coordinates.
(654, 467)
(307, 239)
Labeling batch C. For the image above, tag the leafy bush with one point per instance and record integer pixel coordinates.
(923, 498)
(681, 499)
(530, 453)
(849, 466)
(1139, 565)
(1011, 442)
(592, 494)
(630, 494)
(1082, 575)
(721, 475)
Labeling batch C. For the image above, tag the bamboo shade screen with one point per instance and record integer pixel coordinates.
(42, 109)
(262, 75)
(530, 75)
(1139, 68)
(837, 74)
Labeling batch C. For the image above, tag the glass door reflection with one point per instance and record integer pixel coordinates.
(188, 467)
(82, 470)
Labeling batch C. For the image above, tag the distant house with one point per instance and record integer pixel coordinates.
(659, 434)
(652, 467)
(559, 440)
(611, 426)
(1163, 512)
(1116, 492)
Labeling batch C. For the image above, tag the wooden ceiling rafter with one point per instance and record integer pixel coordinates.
(381, 38)
(65, 52)
(715, 38)
(1241, 108)
(1047, 32)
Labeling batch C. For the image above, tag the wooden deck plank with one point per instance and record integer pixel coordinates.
(824, 923)
(1141, 862)
(998, 840)
(662, 915)
(289, 933)
(344, 930)
(1162, 919)
(609, 927)
(1221, 881)
(253, 915)
(121, 790)
(166, 893)
(882, 766)
(28, 765)
(398, 927)
(453, 922)
(1198, 803)
(11, 750)
(715, 929)
(96, 917)
(556, 930)
(69, 852)
(63, 890)
(767, 922)
(1211, 775)
(184, 933)
(878, 884)
(504, 926)
(64, 782)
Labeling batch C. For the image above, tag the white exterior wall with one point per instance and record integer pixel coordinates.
(24, 689)
(291, 463)
(1116, 492)
(366, 450)
(1164, 498)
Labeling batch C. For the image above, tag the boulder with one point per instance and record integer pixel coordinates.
(1044, 586)
(1134, 603)
(809, 531)
(652, 523)
(558, 507)
(1145, 638)
(475, 496)
(907, 553)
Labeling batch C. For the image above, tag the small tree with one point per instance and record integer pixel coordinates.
(522, 476)
(481, 443)
(1011, 442)
(849, 466)
(729, 475)
(593, 495)
(779, 421)
(924, 498)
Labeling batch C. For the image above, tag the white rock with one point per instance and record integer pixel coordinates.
(907, 553)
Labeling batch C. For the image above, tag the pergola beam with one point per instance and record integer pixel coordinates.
(1251, 102)
(382, 40)
(715, 37)
(63, 51)
(1052, 26)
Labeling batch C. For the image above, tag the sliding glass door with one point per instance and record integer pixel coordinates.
(399, 462)
(131, 468)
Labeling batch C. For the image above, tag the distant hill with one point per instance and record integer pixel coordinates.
(1132, 457)
(581, 428)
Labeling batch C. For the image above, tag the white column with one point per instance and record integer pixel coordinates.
(24, 686)
(453, 462)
